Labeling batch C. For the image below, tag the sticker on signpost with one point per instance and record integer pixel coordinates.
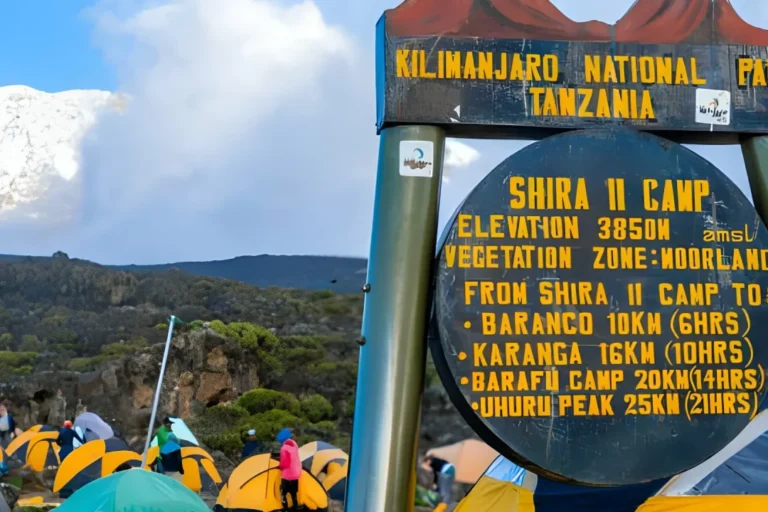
(417, 158)
(713, 107)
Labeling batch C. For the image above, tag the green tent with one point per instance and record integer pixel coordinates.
(134, 490)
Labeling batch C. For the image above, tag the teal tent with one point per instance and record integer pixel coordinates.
(134, 490)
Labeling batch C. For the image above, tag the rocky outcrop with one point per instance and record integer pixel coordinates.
(203, 369)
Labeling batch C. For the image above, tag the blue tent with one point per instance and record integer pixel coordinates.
(739, 468)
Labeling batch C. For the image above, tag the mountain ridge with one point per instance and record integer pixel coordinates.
(336, 273)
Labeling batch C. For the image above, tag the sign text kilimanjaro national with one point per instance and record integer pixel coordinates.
(693, 67)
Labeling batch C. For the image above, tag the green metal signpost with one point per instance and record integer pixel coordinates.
(686, 71)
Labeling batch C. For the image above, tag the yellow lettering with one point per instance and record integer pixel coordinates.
(402, 64)
(584, 105)
(745, 67)
(532, 64)
(591, 68)
(676, 196)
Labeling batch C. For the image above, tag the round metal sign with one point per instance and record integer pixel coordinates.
(597, 307)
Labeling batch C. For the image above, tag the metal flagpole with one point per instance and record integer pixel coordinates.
(157, 391)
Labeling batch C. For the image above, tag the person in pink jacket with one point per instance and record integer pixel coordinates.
(290, 468)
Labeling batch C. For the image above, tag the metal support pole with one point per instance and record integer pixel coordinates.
(755, 151)
(157, 391)
(393, 353)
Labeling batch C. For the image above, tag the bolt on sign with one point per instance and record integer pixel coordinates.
(598, 295)
(515, 67)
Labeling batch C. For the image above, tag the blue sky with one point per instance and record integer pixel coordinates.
(232, 147)
(47, 44)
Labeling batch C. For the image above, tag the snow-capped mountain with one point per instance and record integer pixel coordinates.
(40, 135)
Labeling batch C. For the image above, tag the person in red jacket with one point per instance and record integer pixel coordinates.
(290, 468)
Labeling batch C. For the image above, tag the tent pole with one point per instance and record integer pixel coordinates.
(390, 377)
(159, 388)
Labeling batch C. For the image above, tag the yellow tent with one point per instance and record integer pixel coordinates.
(713, 503)
(91, 461)
(42, 451)
(316, 456)
(335, 480)
(329, 464)
(254, 486)
(18, 447)
(491, 495)
(199, 469)
(503, 487)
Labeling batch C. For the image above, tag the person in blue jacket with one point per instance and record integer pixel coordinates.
(7, 426)
(251, 445)
(66, 440)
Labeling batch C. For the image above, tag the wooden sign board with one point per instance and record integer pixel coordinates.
(520, 68)
(598, 307)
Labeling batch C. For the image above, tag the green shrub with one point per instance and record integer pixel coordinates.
(431, 378)
(117, 350)
(263, 342)
(262, 400)
(31, 343)
(343, 442)
(335, 309)
(226, 413)
(162, 326)
(323, 429)
(10, 360)
(222, 418)
(7, 341)
(350, 413)
(79, 364)
(230, 444)
(269, 423)
(321, 294)
(305, 438)
(23, 370)
(249, 335)
(316, 408)
(86, 364)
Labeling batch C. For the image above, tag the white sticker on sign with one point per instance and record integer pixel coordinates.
(417, 158)
(713, 106)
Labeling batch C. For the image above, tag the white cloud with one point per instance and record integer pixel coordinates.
(458, 154)
(246, 131)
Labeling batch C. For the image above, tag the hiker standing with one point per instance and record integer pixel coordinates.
(290, 468)
(251, 446)
(66, 440)
(445, 474)
(163, 434)
(7, 426)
